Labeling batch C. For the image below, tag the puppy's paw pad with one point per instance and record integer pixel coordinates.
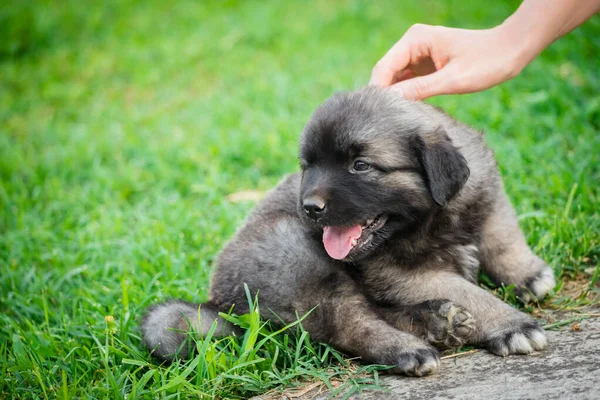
(524, 340)
(419, 362)
(538, 286)
(458, 326)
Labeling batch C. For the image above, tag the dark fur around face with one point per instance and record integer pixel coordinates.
(428, 189)
(386, 135)
(414, 167)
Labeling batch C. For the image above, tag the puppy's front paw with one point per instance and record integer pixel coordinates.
(450, 325)
(538, 286)
(418, 362)
(521, 338)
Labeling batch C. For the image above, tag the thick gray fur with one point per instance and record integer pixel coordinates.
(412, 286)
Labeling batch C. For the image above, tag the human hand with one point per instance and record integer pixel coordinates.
(433, 60)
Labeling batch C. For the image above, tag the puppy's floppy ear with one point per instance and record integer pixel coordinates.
(445, 168)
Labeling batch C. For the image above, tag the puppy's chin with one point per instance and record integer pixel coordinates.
(393, 227)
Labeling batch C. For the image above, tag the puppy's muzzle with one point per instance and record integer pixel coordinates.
(314, 206)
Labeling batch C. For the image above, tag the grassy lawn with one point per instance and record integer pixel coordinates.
(124, 125)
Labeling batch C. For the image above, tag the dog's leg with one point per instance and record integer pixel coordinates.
(507, 258)
(353, 326)
(336, 312)
(500, 328)
(439, 322)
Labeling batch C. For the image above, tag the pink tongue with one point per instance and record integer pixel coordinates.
(337, 240)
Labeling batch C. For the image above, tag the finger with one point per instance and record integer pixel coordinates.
(404, 75)
(394, 61)
(422, 87)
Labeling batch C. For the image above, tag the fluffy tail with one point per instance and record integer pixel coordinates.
(165, 327)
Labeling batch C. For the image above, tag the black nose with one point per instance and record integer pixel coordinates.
(314, 206)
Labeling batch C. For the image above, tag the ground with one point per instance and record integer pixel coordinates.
(567, 370)
(126, 127)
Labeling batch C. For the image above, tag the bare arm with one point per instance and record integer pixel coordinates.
(541, 22)
(432, 60)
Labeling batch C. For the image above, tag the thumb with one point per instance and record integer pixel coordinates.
(422, 87)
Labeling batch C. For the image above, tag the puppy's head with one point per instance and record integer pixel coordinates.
(374, 164)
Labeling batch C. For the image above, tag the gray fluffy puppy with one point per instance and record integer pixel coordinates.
(383, 232)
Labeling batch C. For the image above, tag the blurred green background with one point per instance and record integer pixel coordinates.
(125, 124)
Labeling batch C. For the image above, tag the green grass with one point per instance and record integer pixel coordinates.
(124, 126)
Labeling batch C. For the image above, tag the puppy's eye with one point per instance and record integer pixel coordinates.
(361, 166)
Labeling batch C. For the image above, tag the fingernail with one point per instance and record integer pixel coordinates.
(398, 90)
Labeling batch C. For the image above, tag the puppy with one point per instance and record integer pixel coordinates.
(383, 232)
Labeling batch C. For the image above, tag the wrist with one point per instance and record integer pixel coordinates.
(520, 43)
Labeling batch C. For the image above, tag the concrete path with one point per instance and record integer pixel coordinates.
(568, 369)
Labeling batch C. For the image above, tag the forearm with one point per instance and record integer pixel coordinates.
(538, 23)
